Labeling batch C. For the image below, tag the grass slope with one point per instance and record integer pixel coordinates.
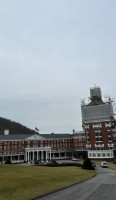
(26, 182)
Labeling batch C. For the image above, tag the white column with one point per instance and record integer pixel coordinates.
(41, 155)
(11, 158)
(110, 154)
(18, 157)
(37, 155)
(28, 156)
(33, 155)
(50, 155)
(59, 155)
(46, 156)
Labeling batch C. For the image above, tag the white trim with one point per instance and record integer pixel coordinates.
(34, 137)
(88, 145)
(99, 145)
(100, 154)
(110, 145)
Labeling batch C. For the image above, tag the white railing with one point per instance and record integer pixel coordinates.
(110, 145)
(37, 148)
(86, 126)
(98, 136)
(97, 125)
(107, 125)
(99, 145)
(88, 146)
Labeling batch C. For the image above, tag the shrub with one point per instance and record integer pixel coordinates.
(64, 165)
(87, 164)
(53, 165)
(8, 162)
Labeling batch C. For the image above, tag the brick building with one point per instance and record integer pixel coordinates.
(43, 147)
(99, 124)
(97, 140)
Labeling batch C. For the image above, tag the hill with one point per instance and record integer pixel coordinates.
(13, 127)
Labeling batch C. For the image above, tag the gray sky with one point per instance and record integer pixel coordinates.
(51, 53)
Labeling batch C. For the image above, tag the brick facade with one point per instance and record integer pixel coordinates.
(98, 137)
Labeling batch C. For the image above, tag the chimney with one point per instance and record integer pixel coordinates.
(6, 132)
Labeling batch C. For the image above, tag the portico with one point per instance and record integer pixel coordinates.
(38, 153)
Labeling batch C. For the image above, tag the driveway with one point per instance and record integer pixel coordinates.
(100, 187)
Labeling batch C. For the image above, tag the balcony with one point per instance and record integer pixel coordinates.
(110, 145)
(86, 126)
(107, 124)
(99, 145)
(97, 125)
(88, 146)
(98, 136)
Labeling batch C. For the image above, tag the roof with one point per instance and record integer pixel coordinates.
(55, 136)
(14, 137)
(46, 136)
(95, 102)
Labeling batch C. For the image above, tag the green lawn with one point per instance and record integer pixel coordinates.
(19, 182)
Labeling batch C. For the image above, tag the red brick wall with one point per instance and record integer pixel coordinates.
(92, 136)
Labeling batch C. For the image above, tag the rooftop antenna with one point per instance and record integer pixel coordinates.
(82, 102)
(89, 99)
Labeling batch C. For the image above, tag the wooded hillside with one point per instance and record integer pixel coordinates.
(13, 127)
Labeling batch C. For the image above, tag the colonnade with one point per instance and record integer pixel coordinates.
(41, 154)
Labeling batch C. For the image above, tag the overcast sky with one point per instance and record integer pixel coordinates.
(51, 53)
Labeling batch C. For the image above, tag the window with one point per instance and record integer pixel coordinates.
(96, 123)
(109, 138)
(100, 142)
(4, 147)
